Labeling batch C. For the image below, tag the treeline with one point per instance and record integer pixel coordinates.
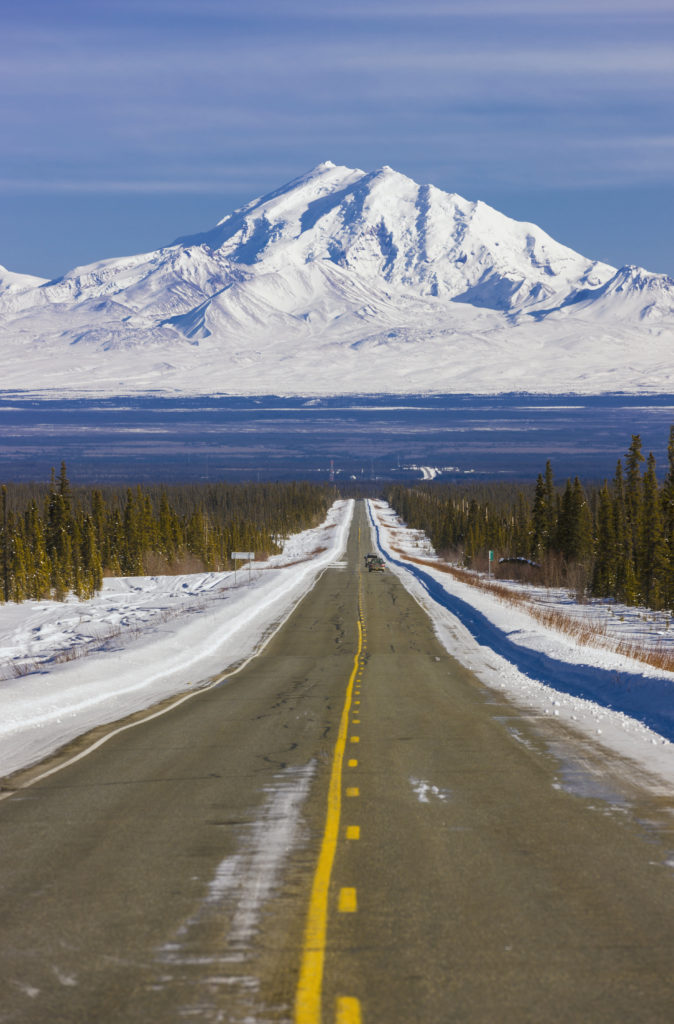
(59, 539)
(613, 541)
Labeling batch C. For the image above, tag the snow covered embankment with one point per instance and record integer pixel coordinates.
(628, 704)
(141, 640)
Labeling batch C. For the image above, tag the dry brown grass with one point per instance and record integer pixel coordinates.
(582, 630)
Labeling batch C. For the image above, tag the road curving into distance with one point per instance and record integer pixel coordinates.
(351, 829)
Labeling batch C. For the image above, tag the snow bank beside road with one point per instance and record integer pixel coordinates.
(628, 704)
(143, 639)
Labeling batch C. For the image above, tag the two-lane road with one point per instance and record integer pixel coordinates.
(350, 829)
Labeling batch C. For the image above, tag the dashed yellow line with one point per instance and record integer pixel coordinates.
(352, 791)
(310, 984)
(348, 1011)
(348, 900)
(352, 762)
(353, 831)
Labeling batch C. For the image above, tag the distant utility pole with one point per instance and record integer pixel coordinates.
(332, 470)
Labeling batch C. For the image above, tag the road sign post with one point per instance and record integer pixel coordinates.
(244, 556)
(491, 559)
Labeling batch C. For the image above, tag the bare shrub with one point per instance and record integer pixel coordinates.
(186, 565)
(155, 564)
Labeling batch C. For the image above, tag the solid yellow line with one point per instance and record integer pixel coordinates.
(348, 1010)
(309, 986)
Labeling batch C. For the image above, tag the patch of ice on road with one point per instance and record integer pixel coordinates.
(65, 979)
(425, 791)
(244, 881)
(28, 990)
(269, 841)
(243, 884)
(517, 736)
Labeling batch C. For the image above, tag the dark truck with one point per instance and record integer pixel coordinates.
(374, 563)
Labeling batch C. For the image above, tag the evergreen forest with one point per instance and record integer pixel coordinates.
(612, 541)
(58, 539)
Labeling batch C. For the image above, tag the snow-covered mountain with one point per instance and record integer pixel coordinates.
(344, 281)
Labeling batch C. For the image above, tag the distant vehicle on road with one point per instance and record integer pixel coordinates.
(374, 563)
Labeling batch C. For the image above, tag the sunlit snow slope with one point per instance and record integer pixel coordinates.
(344, 281)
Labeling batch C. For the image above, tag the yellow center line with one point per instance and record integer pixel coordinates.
(348, 900)
(310, 984)
(348, 1011)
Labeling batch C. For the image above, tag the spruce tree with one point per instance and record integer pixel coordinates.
(634, 500)
(605, 563)
(551, 506)
(539, 521)
(668, 521)
(522, 527)
(653, 558)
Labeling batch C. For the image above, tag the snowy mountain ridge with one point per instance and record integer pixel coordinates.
(344, 281)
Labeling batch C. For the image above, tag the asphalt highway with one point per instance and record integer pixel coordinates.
(351, 829)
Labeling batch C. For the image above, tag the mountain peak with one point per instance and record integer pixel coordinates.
(392, 232)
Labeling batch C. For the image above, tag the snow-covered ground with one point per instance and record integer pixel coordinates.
(68, 667)
(606, 695)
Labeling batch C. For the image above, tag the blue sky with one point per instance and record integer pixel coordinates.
(126, 123)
